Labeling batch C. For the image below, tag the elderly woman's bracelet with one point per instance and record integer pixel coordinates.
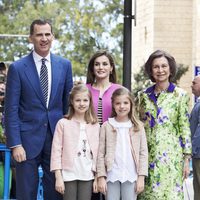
(187, 157)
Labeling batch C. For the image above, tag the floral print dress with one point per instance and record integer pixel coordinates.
(166, 123)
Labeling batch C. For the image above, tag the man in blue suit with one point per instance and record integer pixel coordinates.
(195, 130)
(30, 119)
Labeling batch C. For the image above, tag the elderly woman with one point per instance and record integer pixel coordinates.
(163, 108)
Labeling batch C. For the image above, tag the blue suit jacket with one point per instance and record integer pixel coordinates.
(26, 115)
(195, 130)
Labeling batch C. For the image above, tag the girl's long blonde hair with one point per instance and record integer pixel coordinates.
(90, 115)
(132, 114)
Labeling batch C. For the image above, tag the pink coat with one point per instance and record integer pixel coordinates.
(106, 99)
(65, 143)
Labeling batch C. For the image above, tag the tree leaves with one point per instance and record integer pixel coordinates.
(80, 27)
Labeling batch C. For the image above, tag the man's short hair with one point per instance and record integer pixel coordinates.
(39, 22)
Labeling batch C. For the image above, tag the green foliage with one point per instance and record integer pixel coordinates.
(80, 28)
(2, 135)
(142, 81)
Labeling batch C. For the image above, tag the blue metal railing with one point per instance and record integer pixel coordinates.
(6, 191)
(40, 188)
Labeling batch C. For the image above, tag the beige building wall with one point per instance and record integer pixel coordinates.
(142, 33)
(196, 33)
(171, 25)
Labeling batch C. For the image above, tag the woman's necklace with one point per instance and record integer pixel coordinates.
(158, 91)
(102, 88)
(156, 94)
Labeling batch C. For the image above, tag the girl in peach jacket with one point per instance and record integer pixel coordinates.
(122, 160)
(75, 147)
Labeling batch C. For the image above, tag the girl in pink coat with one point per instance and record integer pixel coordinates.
(75, 147)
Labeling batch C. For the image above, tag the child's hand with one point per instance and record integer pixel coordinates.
(95, 186)
(59, 185)
(139, 185)
(102, 185)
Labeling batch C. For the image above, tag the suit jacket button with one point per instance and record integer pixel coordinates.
(45, 124)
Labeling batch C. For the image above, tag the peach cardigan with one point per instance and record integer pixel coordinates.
(107, 144)
(65, 143)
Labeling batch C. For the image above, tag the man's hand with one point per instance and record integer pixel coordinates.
(19, 154)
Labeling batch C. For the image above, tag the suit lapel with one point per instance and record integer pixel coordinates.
(32, 76)
(195, 108)
(56, 73)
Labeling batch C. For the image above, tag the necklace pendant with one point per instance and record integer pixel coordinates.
(156, 95)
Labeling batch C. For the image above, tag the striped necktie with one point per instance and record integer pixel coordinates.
(44, 79)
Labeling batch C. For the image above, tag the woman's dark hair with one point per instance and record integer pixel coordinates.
(39, 22)
(90, 69)
(159, 54)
